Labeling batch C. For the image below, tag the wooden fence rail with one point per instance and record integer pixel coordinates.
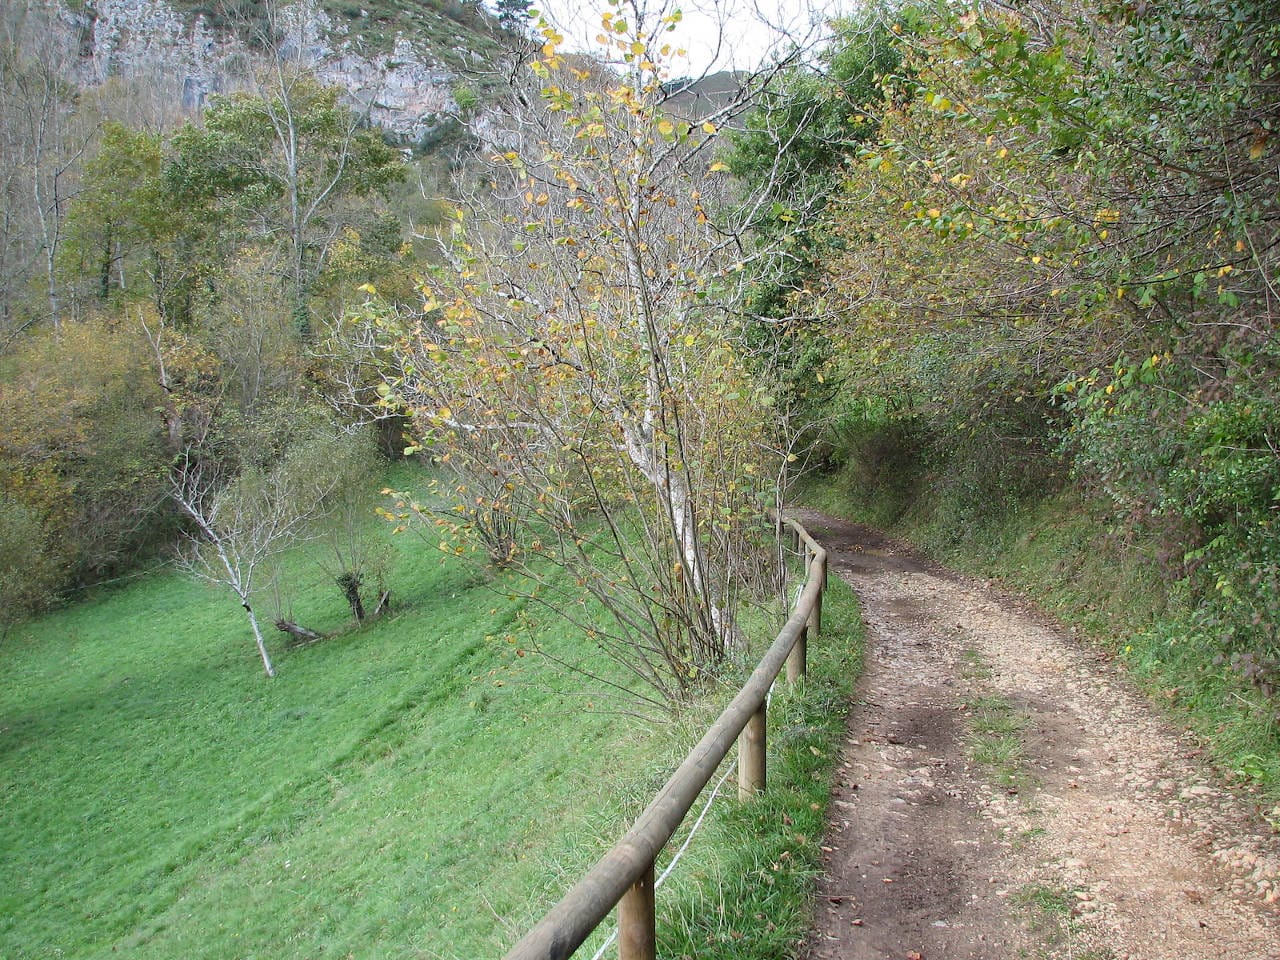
(625, 875)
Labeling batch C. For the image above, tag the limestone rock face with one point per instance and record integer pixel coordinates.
(406, 92)
(403, 92)
(134, 35)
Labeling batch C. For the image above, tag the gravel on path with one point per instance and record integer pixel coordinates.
(1113, 841)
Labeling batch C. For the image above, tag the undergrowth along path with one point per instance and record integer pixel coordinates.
(1004, 793)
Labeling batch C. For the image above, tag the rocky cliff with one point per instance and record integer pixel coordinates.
(409, 90)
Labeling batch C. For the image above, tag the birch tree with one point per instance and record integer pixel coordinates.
(43, 140)
(579, 361)
(242, 524)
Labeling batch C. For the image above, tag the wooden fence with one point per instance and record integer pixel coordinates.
(625, 875)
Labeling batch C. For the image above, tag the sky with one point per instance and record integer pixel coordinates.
(717, 34)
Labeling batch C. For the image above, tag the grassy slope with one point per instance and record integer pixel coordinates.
(1062, 550)
(412, 789)
(159, 796)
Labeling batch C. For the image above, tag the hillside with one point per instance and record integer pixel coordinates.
(998, 279)
(162, 798)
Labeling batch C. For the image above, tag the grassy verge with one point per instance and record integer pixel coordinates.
(1050, 912)
(993, 726)
(995, 739)
(744, 889)
(1064, 551)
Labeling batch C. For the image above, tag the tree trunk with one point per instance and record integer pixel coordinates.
(257, 636)
(349, 583)
(299, 635)
(672, 490)
(104, 269)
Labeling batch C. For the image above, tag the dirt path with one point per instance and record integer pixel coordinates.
(1094, 833)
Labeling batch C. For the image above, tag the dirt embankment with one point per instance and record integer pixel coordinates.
(1089, 829)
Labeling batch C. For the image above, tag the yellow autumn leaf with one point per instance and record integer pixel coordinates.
(666, 127)
(637, 48)
(718, 167)
(708, 127)
(368, 288)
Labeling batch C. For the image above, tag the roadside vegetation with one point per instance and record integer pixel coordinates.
(1040, 326)
(744, 893)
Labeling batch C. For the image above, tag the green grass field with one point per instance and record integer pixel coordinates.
(404, 786)
(412, 789)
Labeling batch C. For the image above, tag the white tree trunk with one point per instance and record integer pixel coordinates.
(257, 637)
(674, 494)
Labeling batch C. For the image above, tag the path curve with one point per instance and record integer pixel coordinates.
(1113, 842)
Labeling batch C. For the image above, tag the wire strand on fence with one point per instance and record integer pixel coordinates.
(678, 854)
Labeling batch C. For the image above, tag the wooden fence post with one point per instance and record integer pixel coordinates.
(797, 660)
(751, 755)
(814, 623)
(637, 921)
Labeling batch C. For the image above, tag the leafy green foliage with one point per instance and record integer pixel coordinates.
(285, 163)
(791, 154)
(119, 210)
(1055, 345)
(81, 448)
(29, 573)
(1060, 244)
(803, 130)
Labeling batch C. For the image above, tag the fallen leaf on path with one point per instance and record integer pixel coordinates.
(914, 955)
